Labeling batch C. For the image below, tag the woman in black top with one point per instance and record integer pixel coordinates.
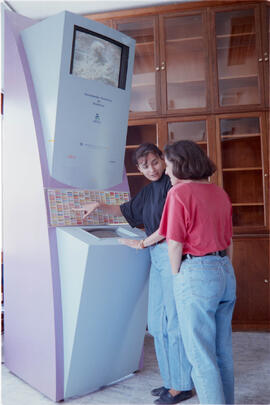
(146, 209)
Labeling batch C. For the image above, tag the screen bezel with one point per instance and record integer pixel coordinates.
(122, 78)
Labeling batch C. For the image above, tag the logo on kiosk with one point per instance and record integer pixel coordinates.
(97, 119)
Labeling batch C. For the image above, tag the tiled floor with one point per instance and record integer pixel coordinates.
(252, 375)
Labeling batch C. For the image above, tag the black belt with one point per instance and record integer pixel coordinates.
(220, 253)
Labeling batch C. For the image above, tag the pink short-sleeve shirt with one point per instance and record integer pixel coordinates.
(198, 215)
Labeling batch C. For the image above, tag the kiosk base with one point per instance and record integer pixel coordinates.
(104, 287)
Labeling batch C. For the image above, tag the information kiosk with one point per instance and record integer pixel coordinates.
(75, 299)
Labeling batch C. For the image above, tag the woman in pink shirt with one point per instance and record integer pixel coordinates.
(197, 223)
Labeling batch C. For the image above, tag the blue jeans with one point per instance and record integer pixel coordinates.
(163, 323)
(205, 290)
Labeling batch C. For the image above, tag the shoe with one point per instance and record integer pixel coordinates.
(157, 392)
(167, 398)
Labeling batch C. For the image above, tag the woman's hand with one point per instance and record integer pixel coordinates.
(133, 243)
(87, 209)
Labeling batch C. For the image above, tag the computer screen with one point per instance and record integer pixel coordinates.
(96, 57)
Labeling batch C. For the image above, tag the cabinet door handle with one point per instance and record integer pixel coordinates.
(157, 68)
(266, 59)
(162, 67)
(266, 281)
(260, 59)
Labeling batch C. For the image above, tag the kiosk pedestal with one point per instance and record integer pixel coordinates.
(104, 299)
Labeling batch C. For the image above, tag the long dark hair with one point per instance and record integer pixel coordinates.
(189, 160)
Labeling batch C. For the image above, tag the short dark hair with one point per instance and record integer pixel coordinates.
(189, 160)
(144, 149)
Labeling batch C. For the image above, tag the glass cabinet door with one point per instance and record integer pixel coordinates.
(136, 135)
(145, 91)
(243, 168)
(238, 58)
(196, 130)
(265, 13)
(267, 55)
(184, 59)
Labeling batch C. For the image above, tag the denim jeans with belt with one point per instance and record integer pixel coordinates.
(205, 293)
(163, 323)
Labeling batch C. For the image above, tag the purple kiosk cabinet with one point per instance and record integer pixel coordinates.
(75, 299)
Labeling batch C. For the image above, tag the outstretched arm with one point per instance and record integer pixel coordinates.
(152, 239)
(142, 243)
(88, 208)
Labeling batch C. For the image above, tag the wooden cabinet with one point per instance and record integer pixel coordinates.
(108, 22)
(201, 72)
(198, 129)
(138, 133)
(145, 94)
(239, 58)
(243, 168)
(170, 67)
(265, 15)
(184, 62)
(251, 264)
(205, 60)
(265, 28)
